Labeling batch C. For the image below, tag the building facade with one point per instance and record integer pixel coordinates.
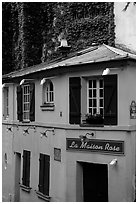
(69, 129)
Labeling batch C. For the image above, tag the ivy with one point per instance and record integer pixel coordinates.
(36, 27)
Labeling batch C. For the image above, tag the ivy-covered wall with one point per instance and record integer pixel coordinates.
(36, 28)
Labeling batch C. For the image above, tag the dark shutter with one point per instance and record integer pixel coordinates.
(44, 167)
(46, 174)
(19, 104)
(32, 102)
(110, 100)
(26, 168)
(74, 100)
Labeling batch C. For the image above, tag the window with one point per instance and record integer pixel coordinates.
(26, 102)
(6, 102)
(93, 98)
(48, 96)
(44, 167)
(48, 92)
(26, 168)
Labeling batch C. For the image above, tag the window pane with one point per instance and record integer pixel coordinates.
(94, 110)
(101, 111)
(90, 110)
(90, 83)
(90, 93)
(101, 83)
(101, 92)
(90, 102)
(94, 83)
(94, 92)
(94, 102)
(101, 102)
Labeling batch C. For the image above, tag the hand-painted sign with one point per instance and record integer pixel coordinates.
(95, 145)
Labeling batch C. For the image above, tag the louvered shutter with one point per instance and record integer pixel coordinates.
(46, 174)
(74, 100)
(27, 168)
(110, 99)
(41, 172)
(32, 102)
(19, 104)
(24, 169)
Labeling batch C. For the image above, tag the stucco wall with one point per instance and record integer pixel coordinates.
(125, 21)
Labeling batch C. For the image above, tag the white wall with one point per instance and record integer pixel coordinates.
(125, 22)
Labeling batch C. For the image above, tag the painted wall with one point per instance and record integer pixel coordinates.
(125, 22)
(65, 189)
(120, 187)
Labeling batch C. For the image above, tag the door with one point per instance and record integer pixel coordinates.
(95, 182)
(17, 176)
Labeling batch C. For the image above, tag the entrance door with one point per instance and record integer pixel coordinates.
(95, 182)
(17, 176)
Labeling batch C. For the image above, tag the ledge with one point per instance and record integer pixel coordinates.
(64, 126)
(25, 188)
(42, 196)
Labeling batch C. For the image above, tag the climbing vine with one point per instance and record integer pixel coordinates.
(36, 29)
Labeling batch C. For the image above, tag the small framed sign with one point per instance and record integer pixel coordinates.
(57, 154)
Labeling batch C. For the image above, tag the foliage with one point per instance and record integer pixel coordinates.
(34, 29)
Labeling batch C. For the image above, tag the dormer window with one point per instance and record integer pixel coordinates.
(48, 95)
(49, 92)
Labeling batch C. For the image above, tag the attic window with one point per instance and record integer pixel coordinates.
(48, 95)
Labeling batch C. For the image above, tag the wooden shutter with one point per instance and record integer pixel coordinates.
(19, 104)
(110, 100)
(46, 174)
(26, 168)
(74, 100)
(32, 102)
(41, 172)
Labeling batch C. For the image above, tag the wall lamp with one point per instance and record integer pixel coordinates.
(86, 136)
(113, 162)
(44, 134)
(25, 131)
(9, 129)
(108, 70)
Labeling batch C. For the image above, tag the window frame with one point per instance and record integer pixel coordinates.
(97, 97)
(26, 102)
(6, 102)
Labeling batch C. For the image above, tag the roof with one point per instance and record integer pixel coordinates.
(94, 54)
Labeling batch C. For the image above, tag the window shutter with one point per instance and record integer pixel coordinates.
(27, 168)
(110, 99)
(41, 172)
(74, 100)
(19, 104)
(24, 169)
(32, 102)
(46, 174)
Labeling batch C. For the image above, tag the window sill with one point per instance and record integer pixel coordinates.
(48, 107)
(91, 125)
(25, 188)
(42, 196)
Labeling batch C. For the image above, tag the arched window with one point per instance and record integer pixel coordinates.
(48, 92)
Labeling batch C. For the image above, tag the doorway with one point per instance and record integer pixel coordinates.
(95, 182)
(17, 176)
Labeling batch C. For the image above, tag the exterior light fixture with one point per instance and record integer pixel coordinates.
(113, 162)
(25, 81)
(25, 131)
(9, 129)
(86, 137)
(44, 134)
(106, 71)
